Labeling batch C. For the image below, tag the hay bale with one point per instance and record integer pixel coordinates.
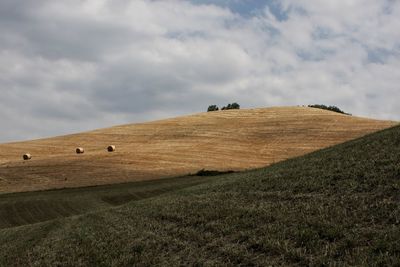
(27, 156)
(79, 150)
(111, 148)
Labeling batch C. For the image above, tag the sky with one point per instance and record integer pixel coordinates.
(76, 65)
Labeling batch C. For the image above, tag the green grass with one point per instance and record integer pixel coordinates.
(338, 206)
(32, 207)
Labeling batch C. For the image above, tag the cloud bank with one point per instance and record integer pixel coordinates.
(68, 66)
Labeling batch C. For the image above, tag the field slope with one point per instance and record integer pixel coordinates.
(224, 140)
(338, 206)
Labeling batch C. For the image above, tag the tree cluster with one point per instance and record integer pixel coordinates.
(331, 108)
(212, 108)
(229, 106)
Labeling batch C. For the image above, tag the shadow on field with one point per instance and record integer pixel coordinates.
(32, 207)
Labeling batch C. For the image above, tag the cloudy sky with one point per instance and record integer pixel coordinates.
(69, 66)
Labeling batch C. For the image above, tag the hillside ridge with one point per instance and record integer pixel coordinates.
(222, 140)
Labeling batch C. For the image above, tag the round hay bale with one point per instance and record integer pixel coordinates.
(111, 148)
(79, 150)
(27, 156)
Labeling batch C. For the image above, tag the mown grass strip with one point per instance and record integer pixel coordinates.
(33, 207)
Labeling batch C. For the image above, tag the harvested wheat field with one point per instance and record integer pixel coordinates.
(222, 140)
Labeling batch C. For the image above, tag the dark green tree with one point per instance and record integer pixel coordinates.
(212, 108)
(231, 106)
(235, 106)
(331, 108)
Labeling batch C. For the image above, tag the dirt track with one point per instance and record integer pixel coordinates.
(223, 140)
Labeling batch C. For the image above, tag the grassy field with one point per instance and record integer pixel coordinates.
(32, 207)
(224, 140)
(338, 206)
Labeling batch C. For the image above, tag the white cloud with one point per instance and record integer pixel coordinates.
(72, 65)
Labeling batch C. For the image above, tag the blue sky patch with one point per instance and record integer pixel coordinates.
(248, 8)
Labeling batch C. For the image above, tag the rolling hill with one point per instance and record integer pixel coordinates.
(224, 140)
(339, 206)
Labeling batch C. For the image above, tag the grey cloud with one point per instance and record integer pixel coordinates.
(77, 65)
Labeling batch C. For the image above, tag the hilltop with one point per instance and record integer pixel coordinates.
(337, 206)
(225, 140)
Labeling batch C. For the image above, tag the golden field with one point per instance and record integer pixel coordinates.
(222, 140)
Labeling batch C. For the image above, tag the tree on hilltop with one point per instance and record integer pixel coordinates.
(212, 108)
(331, 108)
(231, 106)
